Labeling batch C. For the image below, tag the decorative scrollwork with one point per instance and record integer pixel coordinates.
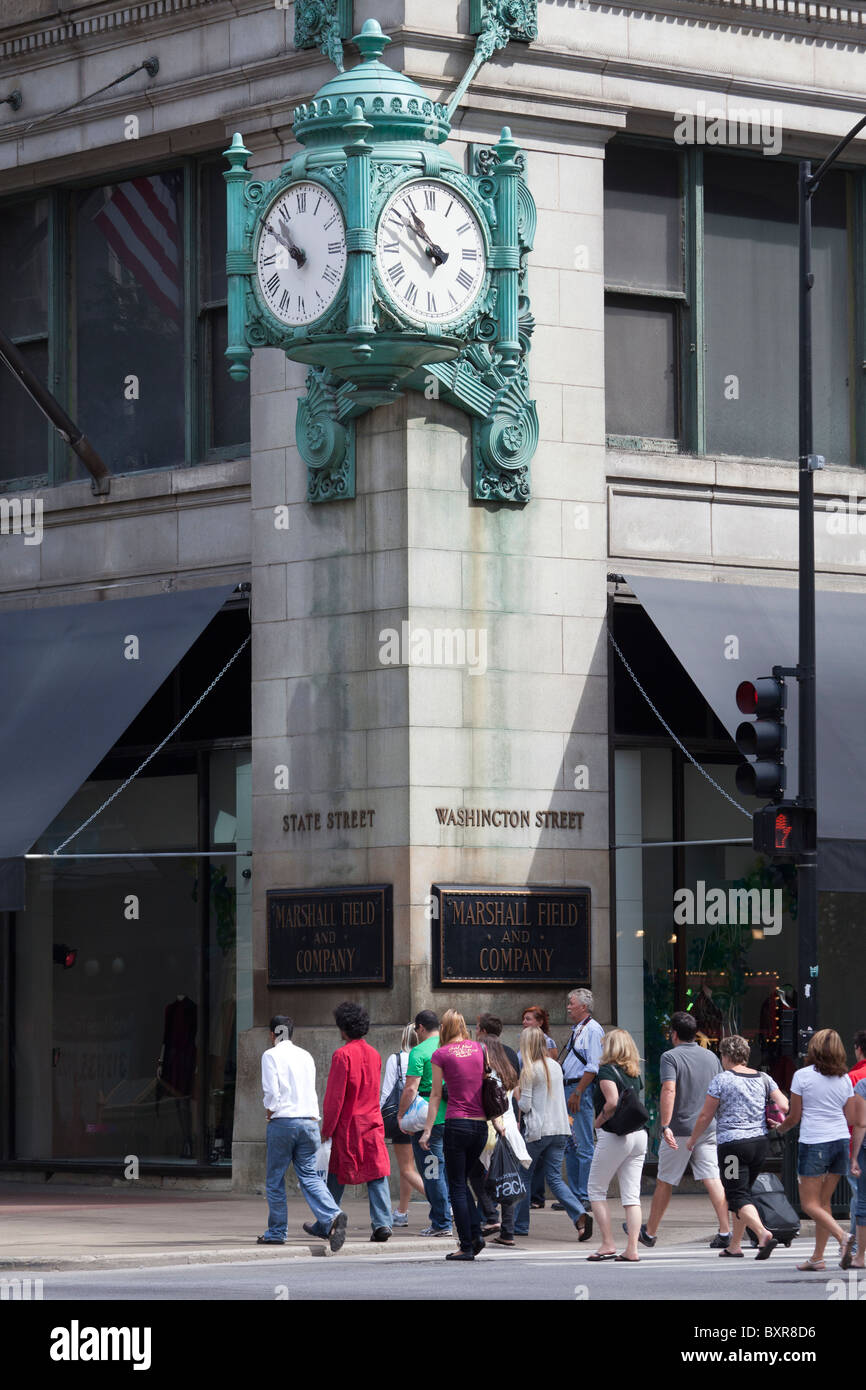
(326, 445)
(516, 19)
(323, 24)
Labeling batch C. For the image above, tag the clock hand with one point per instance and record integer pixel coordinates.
(433, 251)
(294, 251)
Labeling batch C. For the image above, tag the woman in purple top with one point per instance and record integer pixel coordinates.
(460, 1063)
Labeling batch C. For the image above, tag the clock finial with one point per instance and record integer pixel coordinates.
(371, 42)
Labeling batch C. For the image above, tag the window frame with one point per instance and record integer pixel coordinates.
(62, 367)
(690, 402)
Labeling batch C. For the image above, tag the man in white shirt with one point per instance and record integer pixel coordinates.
(289, 1086)
(580, 1063)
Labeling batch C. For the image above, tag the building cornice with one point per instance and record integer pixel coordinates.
(105, 19)
(809, 17)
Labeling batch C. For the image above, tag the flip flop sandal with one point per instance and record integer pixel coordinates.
(500, 1240)
(848, 1253)
(766, 1251)
(624, 1260)
(597, 1259)
(732, 1254)
(816, 1266)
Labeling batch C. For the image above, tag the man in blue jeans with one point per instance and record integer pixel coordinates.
(430, 1162)
(580, 1063)
(289, 1086)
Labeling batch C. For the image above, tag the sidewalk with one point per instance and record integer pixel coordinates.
(71, 1227)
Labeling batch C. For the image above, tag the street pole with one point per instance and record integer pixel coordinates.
(807, 866)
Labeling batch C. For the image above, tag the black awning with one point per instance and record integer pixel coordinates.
(725, 633)
(70, 684)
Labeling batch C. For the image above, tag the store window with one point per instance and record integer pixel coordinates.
(701, 304)
(115, 293)
(24, 317)
(131, 967)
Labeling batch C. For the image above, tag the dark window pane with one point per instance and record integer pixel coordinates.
(25, 431)
(129, 262)
(24, 268)
(230, 400)
(640, 368)
(642, 218)
(213, 233)
(752, 313)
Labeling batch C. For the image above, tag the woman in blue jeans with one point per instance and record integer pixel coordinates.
(460, 1063)
(542, 1103)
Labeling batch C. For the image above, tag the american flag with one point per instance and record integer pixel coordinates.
(140, 223)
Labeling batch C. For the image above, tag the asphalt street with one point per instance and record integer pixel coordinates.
(676, 1273)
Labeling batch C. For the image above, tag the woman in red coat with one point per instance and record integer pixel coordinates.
(351, 1118)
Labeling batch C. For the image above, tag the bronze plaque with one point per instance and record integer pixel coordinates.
(510, 936)
(330, 936)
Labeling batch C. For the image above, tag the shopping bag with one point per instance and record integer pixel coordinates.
(416, 1117)
(504, 1178)
(323, 1160)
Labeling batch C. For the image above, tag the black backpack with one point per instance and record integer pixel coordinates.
(630, 1114)
(392, 1103)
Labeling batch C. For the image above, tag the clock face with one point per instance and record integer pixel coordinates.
(301, 258)
(430, 252)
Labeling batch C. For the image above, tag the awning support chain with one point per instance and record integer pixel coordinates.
(158, 749)
(667, 728)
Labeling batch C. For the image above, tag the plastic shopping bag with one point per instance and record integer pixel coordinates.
(504, 1178)
(323, 1160)
(416, 1117)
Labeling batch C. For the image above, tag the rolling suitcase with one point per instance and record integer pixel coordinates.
(774, 1209)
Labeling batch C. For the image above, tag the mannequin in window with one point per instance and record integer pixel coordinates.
(175, 1068)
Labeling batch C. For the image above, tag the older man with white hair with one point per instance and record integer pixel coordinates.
(580, 1061)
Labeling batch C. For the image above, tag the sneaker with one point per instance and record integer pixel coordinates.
(644, 1237)
(430, 1231)
(720, 1242)
(337, 1233)
(381, 1234)
(399, 1218)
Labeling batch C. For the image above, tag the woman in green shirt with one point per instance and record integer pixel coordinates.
(620, 1155)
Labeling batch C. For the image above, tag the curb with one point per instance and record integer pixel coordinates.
(231, 1255)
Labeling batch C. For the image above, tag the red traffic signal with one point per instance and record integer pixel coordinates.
(65, 955)
(765, 739)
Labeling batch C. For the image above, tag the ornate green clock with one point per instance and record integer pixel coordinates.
(378, 261)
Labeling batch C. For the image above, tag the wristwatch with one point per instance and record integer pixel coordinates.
(665, 1128)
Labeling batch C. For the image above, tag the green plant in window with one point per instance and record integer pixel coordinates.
(223, 899)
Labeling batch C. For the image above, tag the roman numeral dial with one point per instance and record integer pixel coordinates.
(301, 256)
(431, 252)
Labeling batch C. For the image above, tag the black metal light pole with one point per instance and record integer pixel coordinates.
(807, 875)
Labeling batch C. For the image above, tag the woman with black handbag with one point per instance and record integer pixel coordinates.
(393, 1080)
(621, 1142)
(461, 1064)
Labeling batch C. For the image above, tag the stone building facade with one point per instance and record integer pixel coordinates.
(533, 729)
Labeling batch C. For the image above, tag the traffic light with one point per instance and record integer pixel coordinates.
(65, 955)
(765, 739)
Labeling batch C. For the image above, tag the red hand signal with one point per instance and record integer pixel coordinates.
(783, 831)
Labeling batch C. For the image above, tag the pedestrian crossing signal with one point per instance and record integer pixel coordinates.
(785, 831)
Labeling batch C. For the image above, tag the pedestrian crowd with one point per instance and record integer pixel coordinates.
(482, 1131)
